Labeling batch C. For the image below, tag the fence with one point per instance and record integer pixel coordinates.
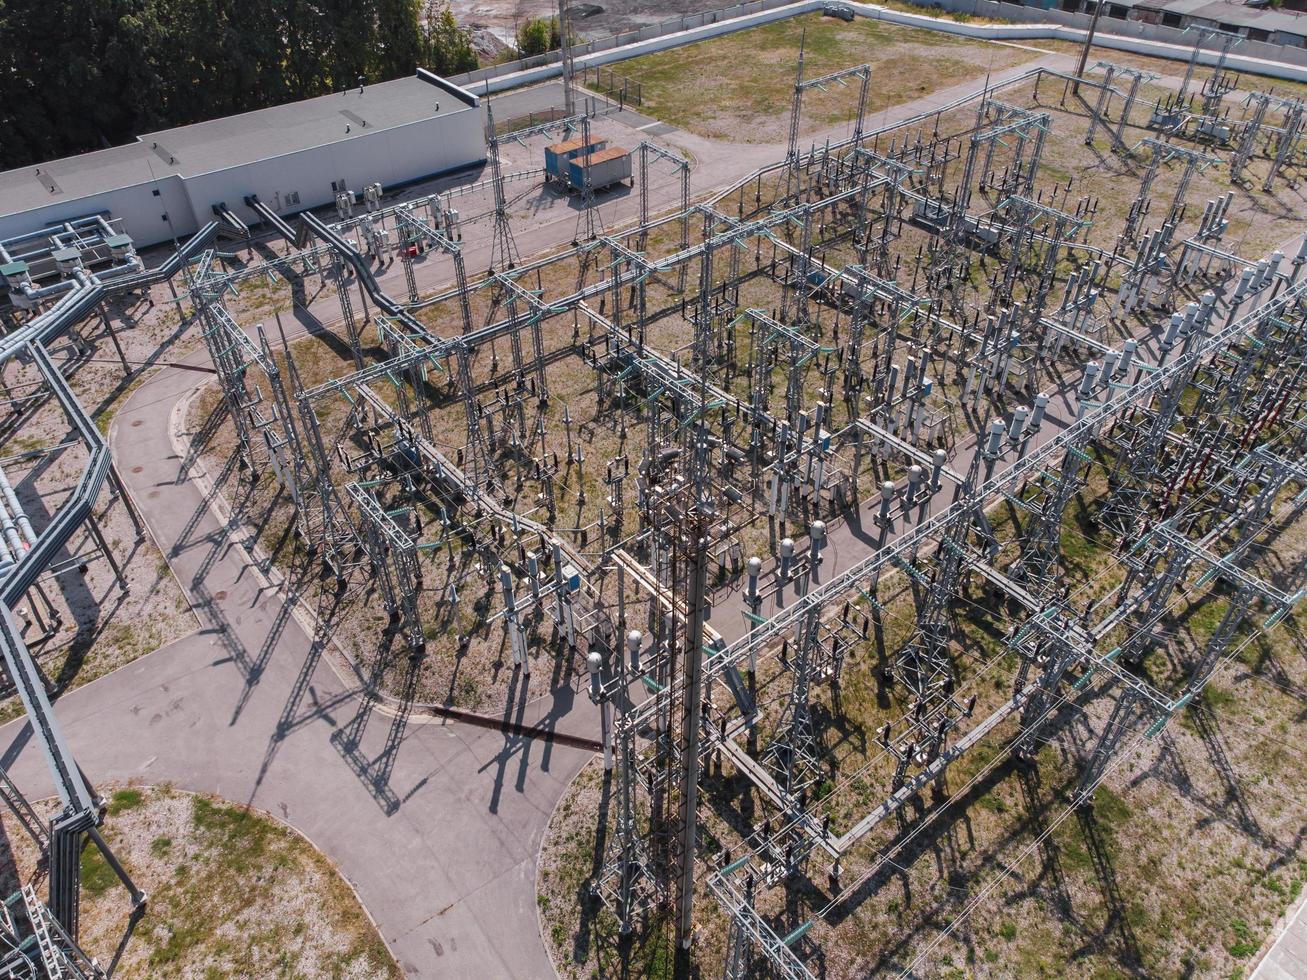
(507, 126)
(586, 105)
(615, 86)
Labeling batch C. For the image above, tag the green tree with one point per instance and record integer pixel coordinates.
(536, 36)
(77, 75)
(399, 35)
(446, 48)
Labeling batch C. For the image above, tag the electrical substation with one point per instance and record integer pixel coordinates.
(908, 434)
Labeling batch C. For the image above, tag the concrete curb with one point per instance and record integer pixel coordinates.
(1277, 932)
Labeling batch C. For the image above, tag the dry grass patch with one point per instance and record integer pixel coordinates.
(232, 893)
(739, 87)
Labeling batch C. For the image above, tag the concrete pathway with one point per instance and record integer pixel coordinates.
(1287, 957)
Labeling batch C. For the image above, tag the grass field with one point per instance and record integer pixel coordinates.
(232, 893)
(739, 87)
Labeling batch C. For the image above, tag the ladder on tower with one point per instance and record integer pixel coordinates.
(61, 957)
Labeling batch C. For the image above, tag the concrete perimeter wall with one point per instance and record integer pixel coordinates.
(738, 16)
(1032, 24)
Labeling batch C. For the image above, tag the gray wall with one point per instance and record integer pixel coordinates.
(392, 156)
(1022, 23)
(1125, 29)
(140, 212)
(473, 80)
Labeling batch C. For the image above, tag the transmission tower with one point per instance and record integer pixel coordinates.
(503, 254)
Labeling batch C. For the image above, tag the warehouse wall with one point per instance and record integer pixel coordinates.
(392, 156)
(137, 208)
(397, 155)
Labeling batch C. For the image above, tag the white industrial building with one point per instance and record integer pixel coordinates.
(295, 156)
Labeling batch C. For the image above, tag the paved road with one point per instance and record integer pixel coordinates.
(552, 220)
(1287, 957)
(436, 824)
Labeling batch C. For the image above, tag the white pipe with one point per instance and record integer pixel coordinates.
(81, 277)
(10, 531)
(36, 327)
(6, 557)
(49, 232)
(16, 507)
(34, 293)
(130, 267)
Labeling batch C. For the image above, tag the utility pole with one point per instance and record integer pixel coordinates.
(565, 49)
(1089, 41)
(690, 734)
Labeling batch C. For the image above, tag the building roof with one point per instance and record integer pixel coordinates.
(602, 156)
(1262, 18)
(221, 144)
(567, 146)
(1236, 14)
(1184, 8)
(76, 177)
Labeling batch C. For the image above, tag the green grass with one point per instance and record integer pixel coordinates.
(124, 800)
(1109, 809)
(106, 414)
(1217, 697)
(232, 893)
(1245, 944)
(97, 876)
(244, 838)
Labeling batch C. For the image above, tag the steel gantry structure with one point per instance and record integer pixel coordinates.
(39, 937)
(916, 326)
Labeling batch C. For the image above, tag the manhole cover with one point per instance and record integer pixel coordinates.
(138, 422)
(220, 595)
(137, 469)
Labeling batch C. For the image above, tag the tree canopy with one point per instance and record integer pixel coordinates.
(538, 35)
(79, 75)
